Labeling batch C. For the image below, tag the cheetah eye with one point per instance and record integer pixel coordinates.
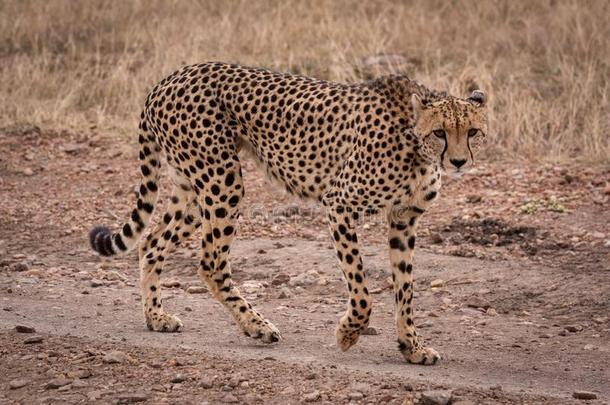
(472, 132)
(440, 133)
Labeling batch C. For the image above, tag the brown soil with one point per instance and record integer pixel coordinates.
(518, 254)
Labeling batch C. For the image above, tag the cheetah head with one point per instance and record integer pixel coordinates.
(451, 130)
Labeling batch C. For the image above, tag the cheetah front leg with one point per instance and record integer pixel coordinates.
(358, 311)
(403, 224)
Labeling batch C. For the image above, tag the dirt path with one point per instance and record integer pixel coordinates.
(520, 349)
(514, 327)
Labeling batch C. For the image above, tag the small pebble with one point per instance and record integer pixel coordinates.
(171, 283)
(437, 283)
(130, 398)
(230, 399)
(115, 357)
(369, 330)
(57, 383)
(585, 395)
(206, 384)
(312, 396)
(438, 397)
(24, 329)
(96, 283)
(355, 396)
(196, 289)
(178, 378)
(18, 383)
(33, 339)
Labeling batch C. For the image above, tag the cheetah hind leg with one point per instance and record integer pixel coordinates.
(221, 207)
(179, 222)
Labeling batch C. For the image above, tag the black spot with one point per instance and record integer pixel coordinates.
(411, 242)
(396, 243)
(229, 179)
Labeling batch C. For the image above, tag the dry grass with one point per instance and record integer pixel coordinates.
(545, 63)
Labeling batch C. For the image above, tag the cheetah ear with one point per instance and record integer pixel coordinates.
(478, 97)
(418, 104)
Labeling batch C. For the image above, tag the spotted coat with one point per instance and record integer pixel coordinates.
(374, 147)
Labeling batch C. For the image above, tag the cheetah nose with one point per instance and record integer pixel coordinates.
(458, 162)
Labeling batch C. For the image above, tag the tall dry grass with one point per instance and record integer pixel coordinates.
(545, 63)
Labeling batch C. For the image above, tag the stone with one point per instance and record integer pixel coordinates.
(476, 302)
(179, 378)
(79, 384)
(229, 399)
(251, 286)
(573, 328)
(426, 324)
(115, 357)
(33, 339)
(285, 293)
(437, 283)
(436, 238)
(408, 386)
(206, 383)
(72, 147)
(57, 383)
(171, 284)
(17, 383)
(369, 330)
(474, 199)
(360, 387)
(312, 396)
(96, 283)
(355, 396)
(19, 267)
(491, 312)
(80, 374)
(28, 171)
(196, 289)
(305, 279)
(437, 397)
(130, 398)
(280, 279)
(584, 395)
(24, 329)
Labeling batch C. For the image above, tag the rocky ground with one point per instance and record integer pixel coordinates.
(512, 286)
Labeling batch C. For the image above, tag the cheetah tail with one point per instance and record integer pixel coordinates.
(102, 239)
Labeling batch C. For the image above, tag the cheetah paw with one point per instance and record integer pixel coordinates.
(346, 338)
(164, 323)
(265, 331)
(425, 356)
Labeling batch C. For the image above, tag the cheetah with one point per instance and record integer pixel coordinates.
(373, 147)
